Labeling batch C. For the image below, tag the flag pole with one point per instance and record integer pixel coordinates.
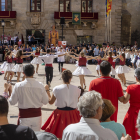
(105, 20)
(110, 27)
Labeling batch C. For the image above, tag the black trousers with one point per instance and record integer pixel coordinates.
(60, 66)
(49, 74)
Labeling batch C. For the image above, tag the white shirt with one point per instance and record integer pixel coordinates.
(29, 94)
(131, 56)
(96, 51)
(114, 60)
(88, 129)
(66, 96)
(127, 55)
(61, 58)
(15, 52)
(48, 59)
(29, 38)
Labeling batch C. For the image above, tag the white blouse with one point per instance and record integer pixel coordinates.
(66, 95)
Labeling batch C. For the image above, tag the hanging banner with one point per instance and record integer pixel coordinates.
(76, 18)
(108, 6)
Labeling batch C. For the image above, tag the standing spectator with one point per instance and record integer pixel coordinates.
(109, 88)
(30, 96)
(85, 51)
(32, 39)
(90, 53)
(102, 53)
(90, 106)
(127, 56)
(34, 48)
(29, 40)
(1, 54)
(9, 39)
(78, 50)
(11, 131)
(96, 51)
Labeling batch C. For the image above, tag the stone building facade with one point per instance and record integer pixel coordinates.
(89, 30)
(133, 7)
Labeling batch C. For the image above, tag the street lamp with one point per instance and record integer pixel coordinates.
(3, 24)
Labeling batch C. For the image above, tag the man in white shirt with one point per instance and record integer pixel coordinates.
(127, 56)
(48, 59)
(30, 96)
(61, 59)
(90, 106)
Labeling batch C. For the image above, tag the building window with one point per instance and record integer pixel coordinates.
(5, 5)
(64, 5)
(86, 6)
(35, 5)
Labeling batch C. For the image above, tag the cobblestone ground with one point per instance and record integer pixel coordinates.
(47, 109)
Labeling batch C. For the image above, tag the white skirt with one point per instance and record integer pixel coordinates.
(138, 63)
(98, 67)
(3, 65)
(82, 71)
(8, 67)
(133, 60)
(123, 69)
(36, 61)
(113, 72)
(18, 68)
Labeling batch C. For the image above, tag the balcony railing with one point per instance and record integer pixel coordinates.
(7, 14)
(68, 15)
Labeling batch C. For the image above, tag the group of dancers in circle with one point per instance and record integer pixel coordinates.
(18, 55)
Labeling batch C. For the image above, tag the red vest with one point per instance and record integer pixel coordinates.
(122, 62)
(19, 60)
(37, 53)
(9, 60)
(82, 61)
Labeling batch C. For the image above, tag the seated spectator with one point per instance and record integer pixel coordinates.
(90, 106)
(10, 131)
(106, 122)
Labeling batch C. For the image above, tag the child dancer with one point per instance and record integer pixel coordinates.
(4, 64)
(36, 60)
(19, 66)
(9, 66)
(82, 70)
(122, 69)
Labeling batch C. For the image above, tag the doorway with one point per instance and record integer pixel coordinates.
(38, 34)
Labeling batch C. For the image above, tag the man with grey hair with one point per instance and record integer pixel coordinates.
(30, 96)
(90, 106)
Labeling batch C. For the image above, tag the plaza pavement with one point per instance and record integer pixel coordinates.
(47, 109)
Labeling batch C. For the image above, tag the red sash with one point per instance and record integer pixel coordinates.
(49, 65)
(29, 113)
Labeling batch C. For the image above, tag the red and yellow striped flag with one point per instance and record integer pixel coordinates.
(109, 6)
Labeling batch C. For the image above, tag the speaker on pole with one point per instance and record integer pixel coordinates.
(62, 20)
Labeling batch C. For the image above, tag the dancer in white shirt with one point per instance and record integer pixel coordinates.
(30, 96)
(65, 97)
(61, 59)
(48, 59)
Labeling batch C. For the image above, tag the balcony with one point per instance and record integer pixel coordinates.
(86, 19)
(68, 15)
(7, 14)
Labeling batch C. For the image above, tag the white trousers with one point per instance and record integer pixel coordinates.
(34, 123)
